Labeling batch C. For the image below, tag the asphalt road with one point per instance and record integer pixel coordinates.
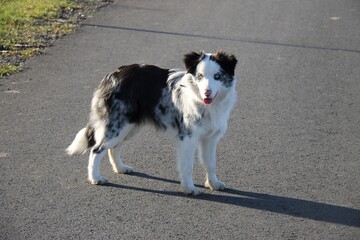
(290, 158)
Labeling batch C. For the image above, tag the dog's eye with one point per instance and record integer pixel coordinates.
(199, 76)
(217, 76)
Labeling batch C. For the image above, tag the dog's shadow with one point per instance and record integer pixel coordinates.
(266, 202)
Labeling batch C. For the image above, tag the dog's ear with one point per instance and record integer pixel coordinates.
(191, 60)
(226, 61)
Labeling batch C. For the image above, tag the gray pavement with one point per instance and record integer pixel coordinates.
(290, 158)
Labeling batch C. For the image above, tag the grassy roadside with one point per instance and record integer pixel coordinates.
(28, 26)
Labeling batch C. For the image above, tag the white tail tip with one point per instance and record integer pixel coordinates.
(79, 144)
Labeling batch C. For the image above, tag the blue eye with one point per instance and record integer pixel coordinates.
(217, 76)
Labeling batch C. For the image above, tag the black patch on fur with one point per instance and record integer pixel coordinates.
(90, 136)
(139, 88)
(226, 79)
(227, 62)
(98, 149)
(183, 132)
(162, 109)
(191, 61)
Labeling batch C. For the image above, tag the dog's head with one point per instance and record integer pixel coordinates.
(213, 74)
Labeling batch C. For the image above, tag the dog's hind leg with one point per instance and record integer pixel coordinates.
(113, 138)
(96, 155)
(114, 153)
(115, 160)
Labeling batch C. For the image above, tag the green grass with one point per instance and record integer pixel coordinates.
(24, 23)
(8, 69)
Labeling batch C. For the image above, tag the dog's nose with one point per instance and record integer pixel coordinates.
(208, 93)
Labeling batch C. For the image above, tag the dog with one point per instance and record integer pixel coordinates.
(191, 106)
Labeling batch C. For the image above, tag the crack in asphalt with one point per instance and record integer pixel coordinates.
(243, 40)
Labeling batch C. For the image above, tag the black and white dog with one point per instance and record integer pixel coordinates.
(191, 106)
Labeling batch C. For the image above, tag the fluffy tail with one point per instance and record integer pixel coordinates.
(84, 140)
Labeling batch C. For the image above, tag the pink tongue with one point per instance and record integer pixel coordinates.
(208, 100)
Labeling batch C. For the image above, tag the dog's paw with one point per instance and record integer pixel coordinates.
(215, 185)
(98, 181)
(125, 169)
(191, 191)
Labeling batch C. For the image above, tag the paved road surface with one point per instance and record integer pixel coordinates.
(290, 158)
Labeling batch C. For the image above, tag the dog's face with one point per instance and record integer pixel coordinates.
(213, 74)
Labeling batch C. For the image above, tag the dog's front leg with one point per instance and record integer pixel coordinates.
(207, 152)
(185, 163)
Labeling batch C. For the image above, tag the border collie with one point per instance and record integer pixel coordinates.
(191, 106)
